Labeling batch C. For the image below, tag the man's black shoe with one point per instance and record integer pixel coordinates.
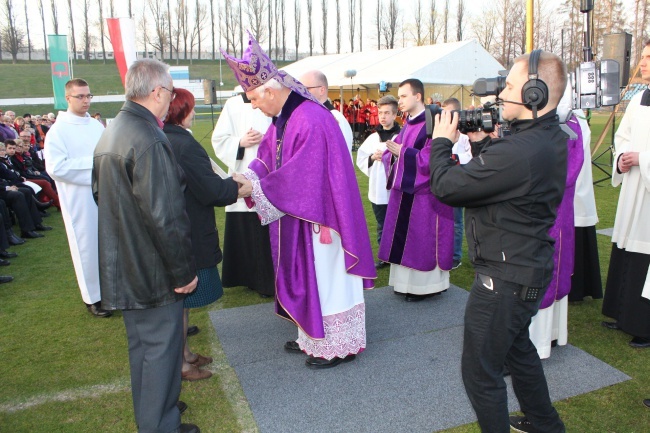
(381, 264)
(610, 325)
(646, 402)
(6, 279)
(410, 297)
(192, 330)
(182, 406)
(189, 428)
(292, 346)
(319, 363)
(97, 311)
(13, 239)
(31, 235)
(42, 205)
(4, 262)
(44, 214)
(522, 425)
(7, 255)
(640, 343)
(42, 228)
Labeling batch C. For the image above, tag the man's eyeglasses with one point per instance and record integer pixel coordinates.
(170, 91)
(82, 97)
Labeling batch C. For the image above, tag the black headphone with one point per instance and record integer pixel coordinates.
(534, 93)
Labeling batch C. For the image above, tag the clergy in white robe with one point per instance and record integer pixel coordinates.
(235, 141)
(69, 147)
(630, 259)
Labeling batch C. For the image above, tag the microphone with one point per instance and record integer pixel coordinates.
(511, 102)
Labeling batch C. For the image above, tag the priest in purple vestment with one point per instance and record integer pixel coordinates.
(304, 187)
(418, 232)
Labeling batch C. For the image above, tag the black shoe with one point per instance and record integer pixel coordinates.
(456, 264)
(4, 262)
(192, 330)
(522, 425)
(640, 343)
(292, 346)
(646, 402)
(264, 296)
(97, 311)
(189, 428)
(381, 264)
(610, 325)
(31, 235)
(7, 255)
(42, 228)
(182, 406)
(314, 362)
(44, 214)
(6, 279)
(13, 239)
(42, 205)
(417, 298)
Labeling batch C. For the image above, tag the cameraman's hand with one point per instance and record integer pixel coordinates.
(446, 125)
(476, 136)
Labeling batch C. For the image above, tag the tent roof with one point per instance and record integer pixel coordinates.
(451, 63)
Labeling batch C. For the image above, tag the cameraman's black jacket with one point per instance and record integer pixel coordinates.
(511, 189)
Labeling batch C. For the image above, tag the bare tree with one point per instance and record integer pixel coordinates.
(360, 25)
(484, 26)
(100, 3)
(13, 38)
(160, 26)
(212, 28)
(74, 43)
(390, 23)
(232, 25)
(142, 26)
(42, 12)
(309, 27)
(183, 29)
(297, 16)
(276, 14)
(284, 30)
(255, 13)
(86, 37)
(169, 28)
(460, 22)
(200, 16)
(323, 41)
(433, 31)
(111, 8)
(640, 26)
(270, 26)
(378, 19)
(29, 40)
(338, 26)
(130, 11)
(418, 27)
(241, 30)
(352, 19)
(55, 16)
(446, 21)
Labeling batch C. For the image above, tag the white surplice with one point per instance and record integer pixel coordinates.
(69, 147)
(237, 118)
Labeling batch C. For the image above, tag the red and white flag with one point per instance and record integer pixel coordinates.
(122, 34)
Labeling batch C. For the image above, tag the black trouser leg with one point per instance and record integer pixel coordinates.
(16, 201)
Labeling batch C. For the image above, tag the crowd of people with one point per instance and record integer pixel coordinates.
(26, 188)
(527, 198)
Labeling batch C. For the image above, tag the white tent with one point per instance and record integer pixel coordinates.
(454, 63)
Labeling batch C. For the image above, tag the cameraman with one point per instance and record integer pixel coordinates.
(511, 189)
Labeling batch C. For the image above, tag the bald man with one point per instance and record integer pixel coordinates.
(316, 83)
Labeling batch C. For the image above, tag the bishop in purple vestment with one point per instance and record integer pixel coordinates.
(304, 186)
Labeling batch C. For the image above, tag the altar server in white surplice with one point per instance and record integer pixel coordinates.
(69, 147)
(246, 245)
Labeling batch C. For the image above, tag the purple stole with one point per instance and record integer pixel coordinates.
(563, 231)
(419, 229)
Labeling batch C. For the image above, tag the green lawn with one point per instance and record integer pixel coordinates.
(65, 371)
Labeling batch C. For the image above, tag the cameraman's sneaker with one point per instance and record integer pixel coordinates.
(456, 264)
(522, 425)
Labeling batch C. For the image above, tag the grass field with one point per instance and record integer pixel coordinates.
(65, 371)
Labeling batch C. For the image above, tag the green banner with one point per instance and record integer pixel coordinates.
(60, 68)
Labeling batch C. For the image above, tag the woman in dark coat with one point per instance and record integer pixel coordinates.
(204, 190)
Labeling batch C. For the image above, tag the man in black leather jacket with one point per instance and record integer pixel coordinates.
(511, 189)
(145, 253)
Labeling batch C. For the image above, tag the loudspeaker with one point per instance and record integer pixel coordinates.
(534, 92)
(618, 46)
(210, 92)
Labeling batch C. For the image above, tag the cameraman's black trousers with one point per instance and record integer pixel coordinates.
(496, 333)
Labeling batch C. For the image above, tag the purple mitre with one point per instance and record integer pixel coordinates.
(255, 69)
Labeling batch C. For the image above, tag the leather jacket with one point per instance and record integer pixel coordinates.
(145, 248)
